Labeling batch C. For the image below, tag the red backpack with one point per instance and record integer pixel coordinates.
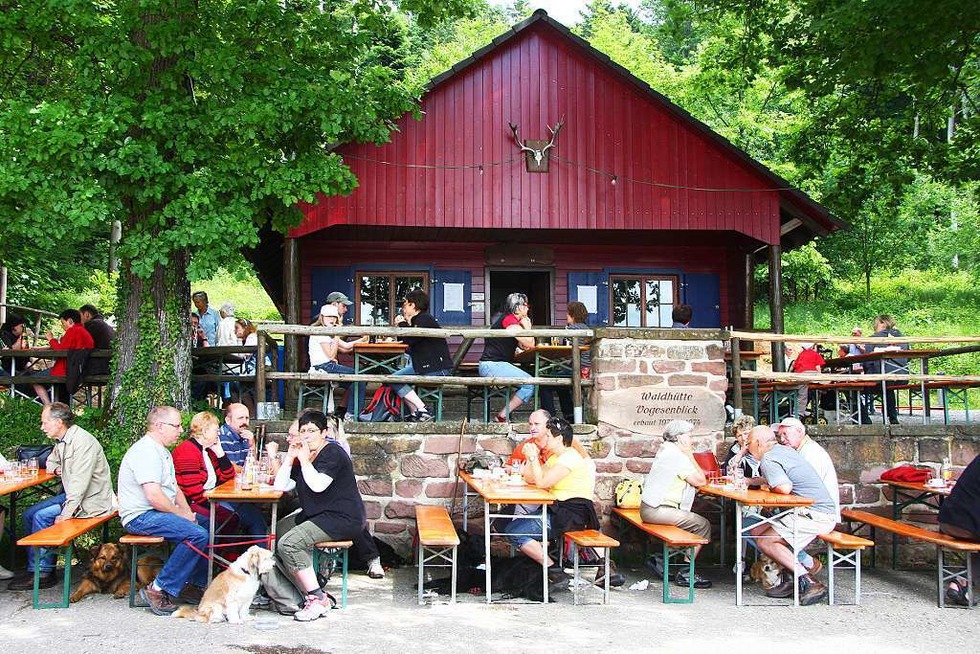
(385, 406)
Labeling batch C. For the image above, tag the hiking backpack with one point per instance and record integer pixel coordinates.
(385, 406)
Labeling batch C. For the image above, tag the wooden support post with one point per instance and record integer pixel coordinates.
(748, 316)
(292, 292)
(736, 374)
(776, 306)
(260, 369)
(576, 382)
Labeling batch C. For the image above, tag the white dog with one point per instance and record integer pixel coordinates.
(231, 593)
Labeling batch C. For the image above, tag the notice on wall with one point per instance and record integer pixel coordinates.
(452, 297)
(647, 410)
(587, 295)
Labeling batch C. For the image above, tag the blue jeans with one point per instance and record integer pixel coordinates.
(38, 517)
(405, 389)
(184, 565)
(504, 369)
(522, 530)
(334, 367)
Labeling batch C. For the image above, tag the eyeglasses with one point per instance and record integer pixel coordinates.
(170, 424)
(309, 430)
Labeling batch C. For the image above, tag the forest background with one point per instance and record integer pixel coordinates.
(870, 106)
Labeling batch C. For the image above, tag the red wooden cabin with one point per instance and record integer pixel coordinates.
(642, 206)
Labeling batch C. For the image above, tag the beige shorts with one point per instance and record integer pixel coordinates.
(809, 524)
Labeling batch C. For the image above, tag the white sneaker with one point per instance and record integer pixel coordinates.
(313, 609)
(375, 571)
(7, 574)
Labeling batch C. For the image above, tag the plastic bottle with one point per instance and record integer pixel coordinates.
(248, 474)
(946, 471)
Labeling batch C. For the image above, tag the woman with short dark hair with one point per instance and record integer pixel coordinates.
(430, 356)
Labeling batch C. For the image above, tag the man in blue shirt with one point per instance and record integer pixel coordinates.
(207, 316)
(235, 436)
(786, 471)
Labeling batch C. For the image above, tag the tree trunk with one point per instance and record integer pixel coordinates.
(153, 360)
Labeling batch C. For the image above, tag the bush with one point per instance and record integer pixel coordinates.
(20, 424)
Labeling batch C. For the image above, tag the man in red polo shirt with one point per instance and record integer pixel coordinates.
(76, 337)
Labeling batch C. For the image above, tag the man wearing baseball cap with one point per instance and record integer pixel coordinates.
(792, 432)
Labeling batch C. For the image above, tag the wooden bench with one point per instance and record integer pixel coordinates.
(844, 553)
(62, 535)
(140, 545)
(336, 551)
(437, 542)
(944, 573)
(597, 540)
(676, 543)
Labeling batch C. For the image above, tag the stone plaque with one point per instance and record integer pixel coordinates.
(647, 410)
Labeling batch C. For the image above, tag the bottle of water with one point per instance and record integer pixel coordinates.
(946, 471)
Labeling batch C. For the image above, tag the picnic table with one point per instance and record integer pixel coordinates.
(14, 488)
(382, 358)
(227, 492)
(548, 361)
(494, 492)
(780, 503)
(910, 493)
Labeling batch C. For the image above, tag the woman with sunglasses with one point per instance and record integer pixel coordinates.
(571, 479)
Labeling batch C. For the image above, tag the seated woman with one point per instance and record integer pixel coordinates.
(570, 478)
(323, 352)
(200, 465)
(497, 359)
(669, 489)
(430, 356)
(331, 507)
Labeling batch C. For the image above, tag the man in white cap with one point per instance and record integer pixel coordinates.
(341, 302)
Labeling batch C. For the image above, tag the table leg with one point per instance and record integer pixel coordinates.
(486, 546)
(723, 504)
(211, 543)
(738, 554)
(272, 529)
(796, 567)
(896, 512)
(544, 551)
(13, 528)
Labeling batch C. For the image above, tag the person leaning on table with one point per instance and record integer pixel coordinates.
(669, 489)
(959, 516)
(786, 471)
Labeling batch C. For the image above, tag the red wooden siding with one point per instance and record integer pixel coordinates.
(610, 125)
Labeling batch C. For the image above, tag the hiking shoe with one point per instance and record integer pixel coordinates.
(260, 601)
(956, 594)
(682, 580)
(159, 601)
(25, 581)
(811, 591)
(422, 416)
(784, 588)
(816, 567)
(616, 579)
(313, 609)
(656, 564)
(375, 571)
(5, 574)
(191, 594)
(556, 574)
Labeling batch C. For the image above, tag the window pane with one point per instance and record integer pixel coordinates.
(626, 302)
(666, 302)
(375, 308)
(653, 303)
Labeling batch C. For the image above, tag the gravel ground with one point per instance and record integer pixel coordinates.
(898, 614)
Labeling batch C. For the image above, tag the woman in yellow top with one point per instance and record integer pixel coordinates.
(571, 478)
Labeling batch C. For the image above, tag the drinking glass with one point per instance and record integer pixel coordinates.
(32, 467)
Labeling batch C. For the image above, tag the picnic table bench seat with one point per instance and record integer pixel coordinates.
(677, 542)
(337, 551)
(844, 553)
(62, 535)
(597, 540)
(139, 544)
(945, 572)
(438, 541)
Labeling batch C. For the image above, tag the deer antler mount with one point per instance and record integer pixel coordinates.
(536, 152)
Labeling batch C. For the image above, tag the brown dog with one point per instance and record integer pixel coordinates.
(765, 571)
(108, 572)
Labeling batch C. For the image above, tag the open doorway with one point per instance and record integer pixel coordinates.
(535, 283)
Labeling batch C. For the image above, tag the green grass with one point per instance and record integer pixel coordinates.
(242, 289)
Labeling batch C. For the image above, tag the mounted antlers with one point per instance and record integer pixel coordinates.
(538, 154)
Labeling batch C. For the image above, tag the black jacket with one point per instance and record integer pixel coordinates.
(428, 354)
(890, 365)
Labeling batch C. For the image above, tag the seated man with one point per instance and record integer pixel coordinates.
(959, 516)
(151, 504)
(786, 471)
(792, 432)
(74, 338)
(669, 489)
(235, 436)
(538, 434)
(570, 478)
(78, 459)
(102, 335)
(331, 507)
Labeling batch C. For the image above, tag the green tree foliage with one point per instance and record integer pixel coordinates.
(194, 123)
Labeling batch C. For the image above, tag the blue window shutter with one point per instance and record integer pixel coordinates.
(600, 281)
(703, 292)
(324, 281)
(437, 296)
